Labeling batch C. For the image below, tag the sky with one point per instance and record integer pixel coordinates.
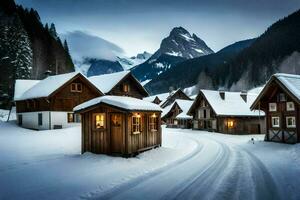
(140, 25)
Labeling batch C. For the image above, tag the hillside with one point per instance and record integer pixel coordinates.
(27, 48)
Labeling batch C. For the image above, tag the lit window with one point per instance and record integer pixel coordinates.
(230, 124)
(272, 107)
(275, 122)
(76, 87)
(126, 88)
(290, 122)
(99, 120)
(175, 122)
(282, 97)
(70, 117)
(153, 122)
(290, 106)
(136, 124)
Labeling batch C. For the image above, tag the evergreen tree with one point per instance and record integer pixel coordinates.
(52, 31)
(66, 47)
(47, 27)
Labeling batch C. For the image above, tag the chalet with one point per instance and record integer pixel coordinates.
(166, 99)
(280, 100)
(226, 112)
(175, 115)
(119, 84)
(48, 104)
(119, 125)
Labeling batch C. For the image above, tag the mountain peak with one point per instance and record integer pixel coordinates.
(182, 44)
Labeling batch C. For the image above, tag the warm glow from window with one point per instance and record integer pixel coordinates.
(153, 122)
(230, 123)
(100, 120)
(126, 88)
(136, 124)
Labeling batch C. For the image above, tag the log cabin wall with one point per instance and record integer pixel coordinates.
(133, 91)
(280, 133)
(101, 141)
(62, 100)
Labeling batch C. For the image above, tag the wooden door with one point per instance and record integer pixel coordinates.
(116, 129)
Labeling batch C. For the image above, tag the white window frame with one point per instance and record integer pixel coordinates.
(288, 107)
(153, 122)
(275, 125)
(294, 122)
(137, 125)
(270, 107)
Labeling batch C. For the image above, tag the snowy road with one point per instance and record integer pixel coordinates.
(217, 171)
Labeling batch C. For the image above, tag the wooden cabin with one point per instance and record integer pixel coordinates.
(119, 84)
(48, 104)
(119, 125)
(175, 115)
(226, 112)
(280, 100)
(166, 99)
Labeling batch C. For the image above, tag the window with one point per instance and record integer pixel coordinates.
(40, 119)
(153, 122)
(290, 122)
(175, 122)
(99, 120)
(76, 87)
(70, 117)
(20, 120)
(136, 124)
(282, 97)
(275, 122)
(272, 107)
(290, 106)
(126, 87)
(230, 123)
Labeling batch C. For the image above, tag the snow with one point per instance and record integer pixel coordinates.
(198, 50)
(162, 97)
(291, 81)
(167, 109)
(256, 90)
(124, 102)
(107, 82)
(173, 53)
(48, 164)
(184, 105)
(232, 105)
(21, 86)
(145, 82)
(44, 87)
(191, 90)
(187, 37)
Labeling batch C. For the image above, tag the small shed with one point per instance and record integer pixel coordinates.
(119, 125)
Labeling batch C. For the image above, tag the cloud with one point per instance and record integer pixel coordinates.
(84, 45)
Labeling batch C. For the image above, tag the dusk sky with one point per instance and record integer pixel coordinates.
(138, 25)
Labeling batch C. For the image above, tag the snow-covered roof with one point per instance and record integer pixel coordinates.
(106, 82)
(123, 102)
(162, 97)
(21, 86)
(291, 82)
(45, 87)
(232, 105)
(184, 105)
(167, 109)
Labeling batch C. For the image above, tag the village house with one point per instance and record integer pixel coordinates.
(48, 103)
(119, 125)
(119, 84)
(280, 100)
(227, 112)
(166, 99)
(175, 115)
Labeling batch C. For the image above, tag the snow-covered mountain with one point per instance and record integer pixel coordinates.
(128, 63)
(180, 45)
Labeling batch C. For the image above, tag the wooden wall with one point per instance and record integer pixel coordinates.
(100, 140)
(134, 91)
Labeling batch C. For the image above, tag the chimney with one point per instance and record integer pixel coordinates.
(222, 93)
(244, 95)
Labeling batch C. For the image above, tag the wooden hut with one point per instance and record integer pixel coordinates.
(280, 100)
(226, 112)
(48, 103)
(175, 115)
(119, 125)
